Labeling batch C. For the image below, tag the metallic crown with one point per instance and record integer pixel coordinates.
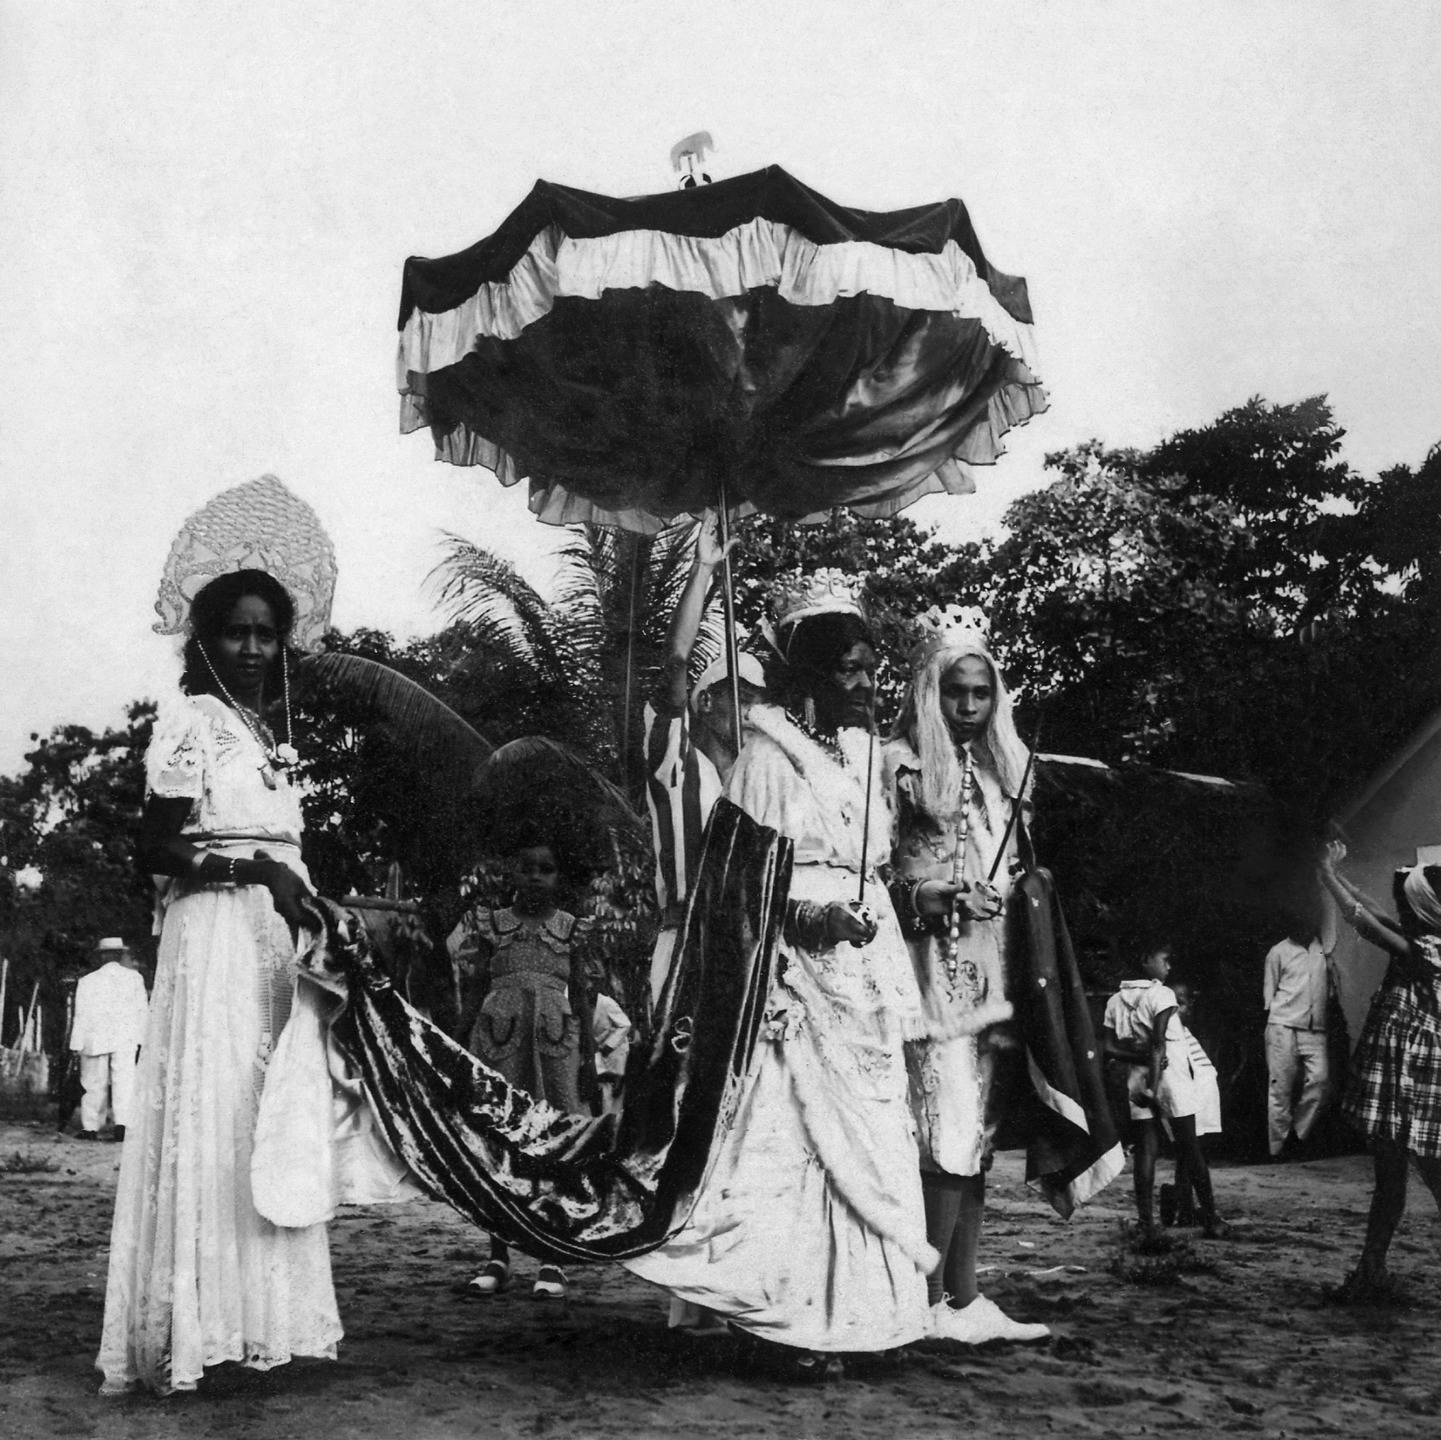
(956, 627)
(819, 592)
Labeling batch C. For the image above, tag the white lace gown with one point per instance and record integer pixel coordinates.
(952, 1067)
(196, 1275)
(810, 1230)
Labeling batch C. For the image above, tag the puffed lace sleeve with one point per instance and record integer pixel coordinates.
(175, 761)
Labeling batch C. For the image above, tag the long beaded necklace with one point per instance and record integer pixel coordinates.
(831, 743)
(952, 954)
(277, 757)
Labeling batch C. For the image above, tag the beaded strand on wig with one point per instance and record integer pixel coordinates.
(958, 866)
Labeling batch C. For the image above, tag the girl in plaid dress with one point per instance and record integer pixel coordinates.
(1395, 1091)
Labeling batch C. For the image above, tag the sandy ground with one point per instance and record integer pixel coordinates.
(1246, 1343)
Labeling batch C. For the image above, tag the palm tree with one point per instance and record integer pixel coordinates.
(545, 698)
(576, 668)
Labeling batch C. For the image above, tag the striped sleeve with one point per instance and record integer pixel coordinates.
(681, 790)
(667, 738)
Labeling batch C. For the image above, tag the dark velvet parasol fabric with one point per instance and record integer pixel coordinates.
(706, 211)
(800, 408)
(572, 1188)
(629, 358)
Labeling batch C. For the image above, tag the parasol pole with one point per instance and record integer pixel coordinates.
(629, 664)
(733, 658)
(866, 814)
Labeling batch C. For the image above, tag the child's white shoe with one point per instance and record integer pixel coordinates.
(492, 1280)
(549, 1283)
(981, 1322)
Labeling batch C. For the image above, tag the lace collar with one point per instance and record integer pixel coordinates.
(555, 929)
(848, 756)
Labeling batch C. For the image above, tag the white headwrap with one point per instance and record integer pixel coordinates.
(752, 672)
(1422, 898)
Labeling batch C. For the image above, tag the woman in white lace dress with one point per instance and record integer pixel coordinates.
(197, 1276)
(810, 1232)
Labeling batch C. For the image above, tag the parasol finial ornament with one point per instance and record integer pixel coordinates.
(800, 595)
(688, 155)
(259, 525)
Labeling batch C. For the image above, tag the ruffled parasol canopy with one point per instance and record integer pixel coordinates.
(627, 357)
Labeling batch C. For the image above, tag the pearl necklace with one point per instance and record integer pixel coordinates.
(831, 743)
(277, 757)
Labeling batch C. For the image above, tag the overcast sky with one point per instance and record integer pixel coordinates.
(204, 210)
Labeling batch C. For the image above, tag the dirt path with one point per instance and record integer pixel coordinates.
(1247, 1346)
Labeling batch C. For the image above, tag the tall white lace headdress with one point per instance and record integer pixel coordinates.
(256, 526)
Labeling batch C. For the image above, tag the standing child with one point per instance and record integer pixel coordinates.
(1142, 1025)
(528, 1014)
(1177, 1200)
(1395, 1090)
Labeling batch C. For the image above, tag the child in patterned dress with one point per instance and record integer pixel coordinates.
(529, 1012)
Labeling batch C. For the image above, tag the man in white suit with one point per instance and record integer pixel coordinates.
(109, 1026)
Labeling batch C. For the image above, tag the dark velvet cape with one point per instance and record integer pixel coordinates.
(565, 1187)
(1061, 1114)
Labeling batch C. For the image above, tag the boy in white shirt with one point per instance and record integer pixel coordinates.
(1143, 1026)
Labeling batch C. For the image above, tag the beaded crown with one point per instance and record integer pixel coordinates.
(820, 592)
(256, 526)
(952, 628)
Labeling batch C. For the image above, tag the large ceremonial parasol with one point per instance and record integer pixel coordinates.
(748, 345)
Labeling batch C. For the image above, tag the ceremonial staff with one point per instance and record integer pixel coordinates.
(1016, 802)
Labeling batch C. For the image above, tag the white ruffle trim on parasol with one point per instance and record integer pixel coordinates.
(757, 254)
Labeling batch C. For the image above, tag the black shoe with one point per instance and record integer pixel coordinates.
(117, 1133)
(1168, 1204)
(808, 1368)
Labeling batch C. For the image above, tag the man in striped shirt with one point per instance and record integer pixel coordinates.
(690, 747)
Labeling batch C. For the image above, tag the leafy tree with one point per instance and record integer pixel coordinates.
(577, 668)
(1234, 602)
(1105, 598)
(66, 871)
(1277, 469)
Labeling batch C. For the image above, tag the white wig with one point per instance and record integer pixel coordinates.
(923, 724)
